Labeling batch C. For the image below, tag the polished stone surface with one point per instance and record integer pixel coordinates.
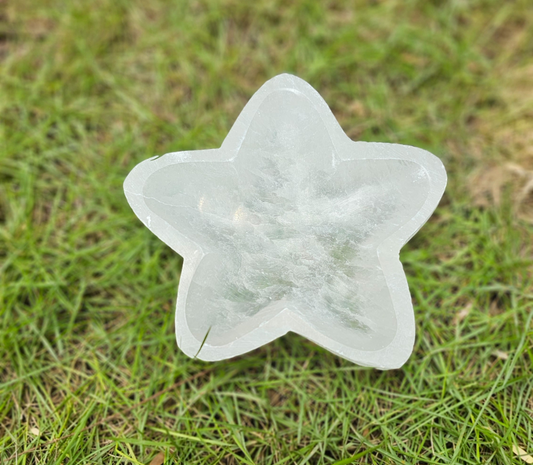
(291, 226)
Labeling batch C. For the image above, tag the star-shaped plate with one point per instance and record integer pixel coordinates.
(291, 226)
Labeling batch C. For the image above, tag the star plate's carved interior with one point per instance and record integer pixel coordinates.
(288, 224)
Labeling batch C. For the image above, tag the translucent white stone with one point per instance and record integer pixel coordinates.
(291, 226)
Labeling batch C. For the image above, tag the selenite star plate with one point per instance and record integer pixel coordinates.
(291, 226)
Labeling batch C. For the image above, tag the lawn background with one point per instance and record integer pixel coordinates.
(89, 368)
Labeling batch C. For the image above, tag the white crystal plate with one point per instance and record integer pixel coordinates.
(291, 226)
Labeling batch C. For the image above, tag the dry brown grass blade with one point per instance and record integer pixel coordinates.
(522, 454)
(159, 459)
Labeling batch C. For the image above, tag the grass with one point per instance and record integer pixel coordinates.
(89, 368)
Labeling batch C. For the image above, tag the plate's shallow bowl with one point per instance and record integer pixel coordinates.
(291, 226)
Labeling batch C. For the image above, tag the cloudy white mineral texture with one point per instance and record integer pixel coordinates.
(291, 226)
